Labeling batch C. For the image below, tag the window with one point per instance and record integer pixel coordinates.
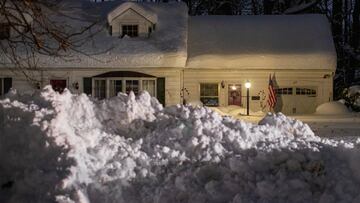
(209, 94)
(115, 87)
(58, 85)
(284, 91)
(149, 86)
(100, 89)
(132, 85)
(5, 85)
(305, 91)
(4, 31)
(130, 30)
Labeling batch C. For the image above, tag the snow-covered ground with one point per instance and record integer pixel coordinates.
(71, 148)
(324, 123)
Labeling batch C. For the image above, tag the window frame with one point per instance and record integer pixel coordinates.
(94, 87)
(123, 80)
(132, 30)
(217, 96)
(281, 91)
(306, 91)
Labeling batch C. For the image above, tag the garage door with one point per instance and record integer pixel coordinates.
(296, 100)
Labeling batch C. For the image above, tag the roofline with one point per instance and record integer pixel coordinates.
(135, 12)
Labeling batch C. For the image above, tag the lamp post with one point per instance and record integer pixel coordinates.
(247, 85)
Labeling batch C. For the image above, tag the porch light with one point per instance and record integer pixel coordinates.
(247, 84)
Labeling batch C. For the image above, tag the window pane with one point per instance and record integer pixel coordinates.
(209, 94)
(210, 101)
(115, 87)
(132, 85)
(100, 89)
(130, 30)
(149, 86)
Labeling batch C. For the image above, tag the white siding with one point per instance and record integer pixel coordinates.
(259, 81)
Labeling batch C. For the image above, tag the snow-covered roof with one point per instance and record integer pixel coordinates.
(166, 47)
(152, 17)
(262, 42)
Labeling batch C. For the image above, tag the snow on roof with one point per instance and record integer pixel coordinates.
(152, 17)
(166, 46)
(264, 42)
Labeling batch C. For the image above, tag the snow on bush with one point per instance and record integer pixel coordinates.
(351, 96)
(71, 148)
(332, 108)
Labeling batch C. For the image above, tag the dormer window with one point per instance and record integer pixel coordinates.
(4, 31)
(130, 30)
(131, 19)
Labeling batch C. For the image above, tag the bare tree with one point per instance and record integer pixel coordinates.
(30, 28)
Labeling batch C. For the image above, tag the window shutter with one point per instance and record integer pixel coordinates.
(7, 84)
(160, 90)
(87, 85)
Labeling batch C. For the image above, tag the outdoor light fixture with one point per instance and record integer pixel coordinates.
(223, 84)
(247, 85)
(76, 85)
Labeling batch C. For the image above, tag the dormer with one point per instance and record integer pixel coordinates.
(132, 20)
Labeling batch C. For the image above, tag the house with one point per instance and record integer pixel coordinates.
(157, 47)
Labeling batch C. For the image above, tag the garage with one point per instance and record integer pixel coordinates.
(296, 100)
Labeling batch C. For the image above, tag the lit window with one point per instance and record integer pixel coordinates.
(149, 86)
(115, 87)
(209, 94)
(100, 89)
(4, 31)
(132, 85)
(130, 30)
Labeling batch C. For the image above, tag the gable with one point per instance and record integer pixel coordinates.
(130, 15)
(133, 8)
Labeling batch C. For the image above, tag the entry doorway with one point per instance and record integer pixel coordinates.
(234, 94)
(58, 85)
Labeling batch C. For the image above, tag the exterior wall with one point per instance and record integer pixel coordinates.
(130, 17)
(259, 80)
(72, 76)
(191, 79)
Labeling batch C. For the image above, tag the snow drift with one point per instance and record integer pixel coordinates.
(71, 148)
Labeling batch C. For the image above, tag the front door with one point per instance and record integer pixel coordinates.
(234, 94)
(58, 85)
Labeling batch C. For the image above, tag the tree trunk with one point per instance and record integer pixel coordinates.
(355, 34)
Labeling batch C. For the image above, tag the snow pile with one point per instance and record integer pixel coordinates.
(332, 108)
(70, 148)
(235, 111)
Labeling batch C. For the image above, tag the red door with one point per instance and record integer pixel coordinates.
(58, 85)
(234, 94)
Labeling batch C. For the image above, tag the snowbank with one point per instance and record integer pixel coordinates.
(332, 108)
(70, 148)
(235, 111)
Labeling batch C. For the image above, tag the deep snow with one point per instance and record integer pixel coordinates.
(71, 148)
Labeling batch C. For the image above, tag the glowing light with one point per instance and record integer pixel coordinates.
(233, 87)
(247, 84)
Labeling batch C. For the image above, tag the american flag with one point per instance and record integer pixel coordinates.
(272, 96)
